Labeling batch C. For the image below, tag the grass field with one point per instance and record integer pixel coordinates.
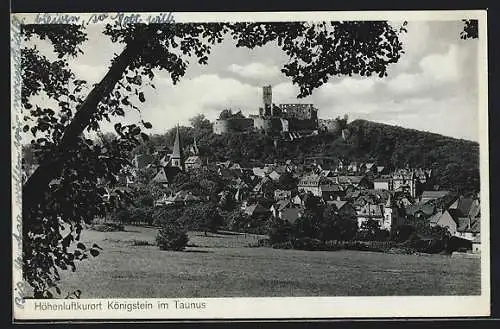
(223, 265)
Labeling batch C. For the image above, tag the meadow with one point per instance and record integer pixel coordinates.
(223, 265)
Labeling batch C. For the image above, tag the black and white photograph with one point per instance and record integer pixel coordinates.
(164, 162)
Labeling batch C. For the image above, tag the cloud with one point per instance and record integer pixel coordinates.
(90, 73)
(208, 94)
(255, 71)
(443, 67)
(438, 72)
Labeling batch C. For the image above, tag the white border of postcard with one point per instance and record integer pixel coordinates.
(280, 307)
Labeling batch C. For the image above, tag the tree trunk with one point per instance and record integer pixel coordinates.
(36, 186)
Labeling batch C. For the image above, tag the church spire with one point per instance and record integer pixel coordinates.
(177, 154)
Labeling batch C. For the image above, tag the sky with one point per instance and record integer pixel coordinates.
(433, 87)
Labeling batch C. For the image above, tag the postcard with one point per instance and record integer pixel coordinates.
(257, 165)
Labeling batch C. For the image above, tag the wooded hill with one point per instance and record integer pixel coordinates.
(455, 162)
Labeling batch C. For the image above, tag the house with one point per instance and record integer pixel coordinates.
(345, 208)
(259, 172)
(420, 210)
(354, 181)
(141, 161)
(433, 195)
(258, 188)
(383, 183)
(286, 210)
(444, 219)
(166, 175)
(468, 207)
(404, 180)
(311, 183)
(282, 194)
(256, 210)
(468, 229)
(370, 167)
(298, 200)
(370, 211)
(181, 198)
(274, 175)
(193, 162)
(331, 192)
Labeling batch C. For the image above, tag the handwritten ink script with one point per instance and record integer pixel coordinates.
(19, 288)
(120, 18)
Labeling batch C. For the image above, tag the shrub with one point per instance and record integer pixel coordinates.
(307, 244)
(172, 236)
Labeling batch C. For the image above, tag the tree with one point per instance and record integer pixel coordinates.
(334, 227)
(200, 123)
(470, 30)
(76, 162)
(202, 216)
(280, 231)
(287, 181)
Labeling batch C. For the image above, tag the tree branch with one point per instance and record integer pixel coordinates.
(36, 186)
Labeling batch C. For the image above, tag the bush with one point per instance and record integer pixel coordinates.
(172, 236)
(307, 244)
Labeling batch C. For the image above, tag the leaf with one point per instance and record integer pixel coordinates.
(58, 290)
(80, 246)
(67, 240)
(147, 125)
(94, 252)
(145, 137)
(141, 97)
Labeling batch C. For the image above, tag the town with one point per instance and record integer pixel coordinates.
(381, 201)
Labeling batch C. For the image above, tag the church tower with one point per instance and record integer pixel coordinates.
(177, 159)
(390, 214)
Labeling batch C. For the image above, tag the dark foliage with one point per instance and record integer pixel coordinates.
(455, 162)
(172, 236)
(202, 216)
(471, 30)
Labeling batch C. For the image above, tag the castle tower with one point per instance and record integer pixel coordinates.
(267, 96)
(177, 153)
